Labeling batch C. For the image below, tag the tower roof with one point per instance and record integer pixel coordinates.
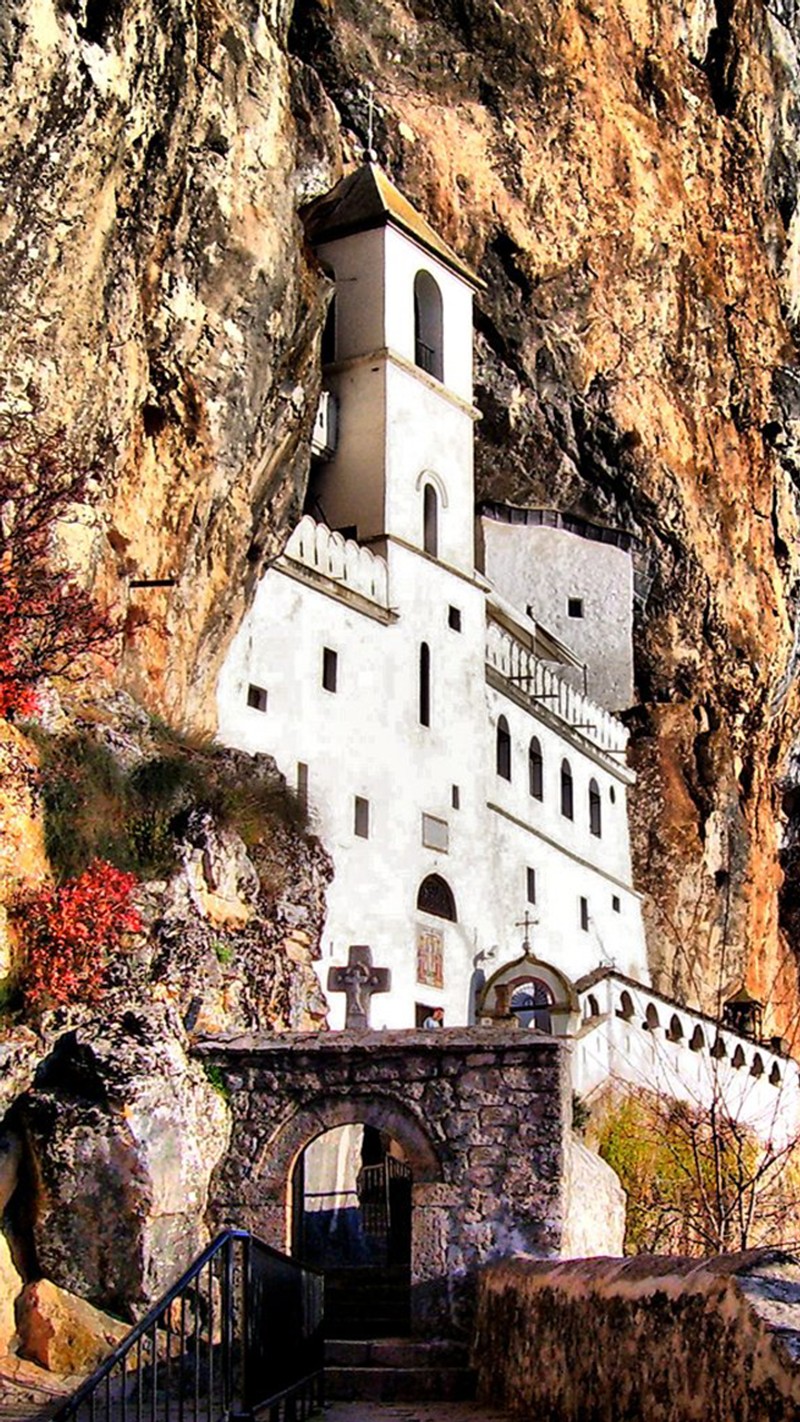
(366, 199)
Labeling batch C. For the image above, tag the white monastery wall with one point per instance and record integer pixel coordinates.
(544, 568)
(639, 1038)
(365, 739)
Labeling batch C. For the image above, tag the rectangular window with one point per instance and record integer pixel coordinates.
(330, 667)
(531, 883)
(615, 902)
(361, 818)
(455, 797)
(584, 914)
(435, 833)
(454, 618)
(575, 607)
(302, 783)
(257, 697)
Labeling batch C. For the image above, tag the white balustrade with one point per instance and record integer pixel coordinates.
(341, 559)
(507, 656)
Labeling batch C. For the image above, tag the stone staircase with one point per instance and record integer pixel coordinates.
(390, 1370)
(368, 1303)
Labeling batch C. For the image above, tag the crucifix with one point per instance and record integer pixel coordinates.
(527, 924)
(358, 980)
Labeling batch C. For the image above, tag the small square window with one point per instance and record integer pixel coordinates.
(435, 833)
(361, 818)
(302, 784)
(615, 904)
(575, 607)
(454, 618)
(584, 914)
(257, 697)
(330, 667)
(531, 883)
(455, 797)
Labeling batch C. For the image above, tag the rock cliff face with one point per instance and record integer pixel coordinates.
(624, 175)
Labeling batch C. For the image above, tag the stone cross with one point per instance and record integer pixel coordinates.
(359, 980)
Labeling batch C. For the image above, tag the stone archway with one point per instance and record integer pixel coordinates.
(482, 1116)
(290, 1138)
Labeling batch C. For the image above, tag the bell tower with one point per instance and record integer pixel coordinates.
(398, 360)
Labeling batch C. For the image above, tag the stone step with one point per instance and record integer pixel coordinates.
(376, 1384)
(395, 1353)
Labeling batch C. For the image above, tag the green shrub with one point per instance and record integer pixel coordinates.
(94, 809)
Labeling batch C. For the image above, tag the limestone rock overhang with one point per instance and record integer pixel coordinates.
(366, 199)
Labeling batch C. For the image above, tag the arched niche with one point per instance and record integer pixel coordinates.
(674, 1032)
(494, 1004)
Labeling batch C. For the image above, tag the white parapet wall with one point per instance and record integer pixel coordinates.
(631, 1035)
(536, 680)
(341, 560)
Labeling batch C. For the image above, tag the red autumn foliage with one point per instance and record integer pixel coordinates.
(71, 930)
(48, 623)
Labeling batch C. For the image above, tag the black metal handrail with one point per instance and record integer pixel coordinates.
(238, 1336)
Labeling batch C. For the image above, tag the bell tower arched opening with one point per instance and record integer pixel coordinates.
(428, 325)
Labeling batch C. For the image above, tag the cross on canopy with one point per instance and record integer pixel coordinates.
(358, 980)
(527, 923)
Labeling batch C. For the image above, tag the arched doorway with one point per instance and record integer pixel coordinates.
(351, 1218)
(531, 1001)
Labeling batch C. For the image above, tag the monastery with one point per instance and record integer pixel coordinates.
(440, 687)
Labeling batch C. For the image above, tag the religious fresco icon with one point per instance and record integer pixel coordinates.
(430, 957)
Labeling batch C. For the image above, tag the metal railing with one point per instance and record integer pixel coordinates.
(238, 1336)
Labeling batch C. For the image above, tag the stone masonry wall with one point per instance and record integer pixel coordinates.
(481, 1114)
(669, 1340)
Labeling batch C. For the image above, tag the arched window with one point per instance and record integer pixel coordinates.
(595, 813)
(737, 1059)
(430, 520)
(775, 1075)
(590, 1008)
(566, 790)
(424, 684)
(428, 325)
(503, 749)
(435, 896)
(757, 1069)
(625, 1009)
(535, 769)
(718, 1049)
(698, 1041)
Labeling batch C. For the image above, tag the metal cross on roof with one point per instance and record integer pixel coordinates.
(358, 980)
(527, 923)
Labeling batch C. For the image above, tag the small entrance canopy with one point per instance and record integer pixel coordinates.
(503, 999)
(744, 1013)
